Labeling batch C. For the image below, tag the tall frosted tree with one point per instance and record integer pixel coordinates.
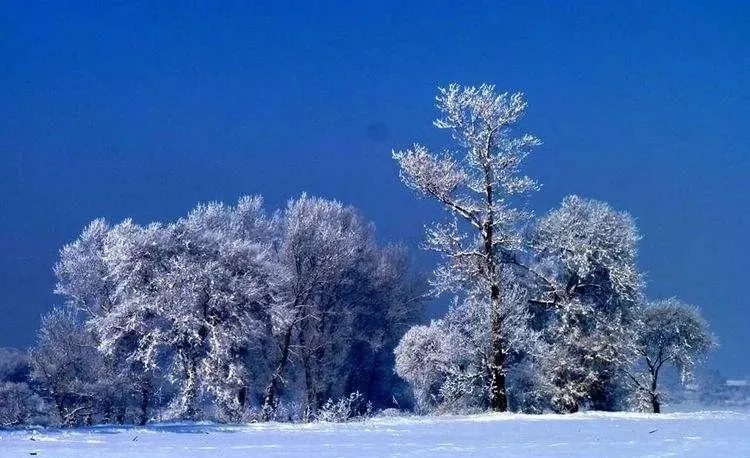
(477, 185)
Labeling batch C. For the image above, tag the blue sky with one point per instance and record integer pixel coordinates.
(135, 110)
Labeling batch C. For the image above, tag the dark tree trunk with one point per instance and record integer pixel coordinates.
(190, 390)
(311, 410)
(311, 401)
(120, 416)
(498, 395)
(655, 404)
(242, 397)
(269, 401)
(61, 411)
(145, 402)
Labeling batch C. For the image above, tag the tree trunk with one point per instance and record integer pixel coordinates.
(145, 401)
(242, 398)
(498, 395)
(89, 417)
(311, 410)
(60, 410)
(655, 404)
(269, 402)
(120, 416)
(190, 391)
(311, 401)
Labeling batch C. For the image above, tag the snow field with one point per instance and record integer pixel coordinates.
(592, 434)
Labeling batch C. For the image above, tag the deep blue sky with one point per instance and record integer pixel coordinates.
(141, 111)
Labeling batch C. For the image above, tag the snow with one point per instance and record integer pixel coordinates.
(699, 434)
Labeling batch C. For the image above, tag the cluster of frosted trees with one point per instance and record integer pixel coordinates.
(548, 313)
(228, 313)
(231, 313)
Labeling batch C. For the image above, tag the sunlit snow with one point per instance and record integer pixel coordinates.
(701, 434)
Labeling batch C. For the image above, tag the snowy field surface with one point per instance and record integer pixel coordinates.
(701, 434)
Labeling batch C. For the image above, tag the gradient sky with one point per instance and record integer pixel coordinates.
(132, 110)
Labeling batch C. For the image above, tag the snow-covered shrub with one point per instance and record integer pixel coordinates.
(66, 367)
(19, 405)
(392, 412)
(285, 411)
(345, 409)
(420, 361)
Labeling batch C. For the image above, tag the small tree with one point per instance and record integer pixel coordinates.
(65, 365)
(19, 404)
(590, 251)
(672, 332)
(476, 187)
(421, 361)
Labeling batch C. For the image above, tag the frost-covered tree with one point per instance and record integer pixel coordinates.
(196, 292)
(343, 341)
(128, 334)
(231, 305)
(19, 403)
(81, 271)
(215, 299)
(188, 297)
(320, 240)
(593, 250)
(467, 325)
(588, 253)
(65, 365)
(478, 187)
(671, 333)
(456, 377)
(384, 296)
(421, 361)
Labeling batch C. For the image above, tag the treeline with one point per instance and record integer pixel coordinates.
(228, 314)
(235, 314)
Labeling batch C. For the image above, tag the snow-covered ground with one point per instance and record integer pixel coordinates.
(700, 434)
